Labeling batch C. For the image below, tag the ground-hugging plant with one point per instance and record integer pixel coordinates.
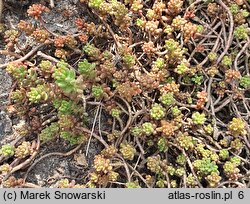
(161, 86)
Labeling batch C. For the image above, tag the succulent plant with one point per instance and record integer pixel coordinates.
(205, 166)
(153, 164)
(5, 168)
(234, 8)
(72, 138)
(245, 82)
(230, 168)
(167, 99)
(36, 10)
(91, 51)
(128, 151)
(156, 75)
(159, 63)
(226, 61)
(236, 144)
(95, 3)
(38, 93)
(241, 32)
(182, 68)
(87, 69)
(129, 60)
(66, 107)
(185, 141)
(101, 164)
(191, 181)
(198, 118)
(115, 112)
(237, 127)
(7, 150)
(181, 159)
(46, 66)
(49, 132)
(97, 92)
(213, 179)
(23, 150)
(162, 144)
(197, 79)
(19, 71)
(65, 78)
(175, 111)
(212, 56)
(136, 131)
(132, 185)
(157, 111)
(147, 128)
(224, 154)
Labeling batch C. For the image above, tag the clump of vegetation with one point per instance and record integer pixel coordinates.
(161, 88)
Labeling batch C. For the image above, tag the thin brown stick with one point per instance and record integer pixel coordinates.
(28, 55)
(230, 32)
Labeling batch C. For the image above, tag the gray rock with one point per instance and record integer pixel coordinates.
(5, 124)
(5, 121)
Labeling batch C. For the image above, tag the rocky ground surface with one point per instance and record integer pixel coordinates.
(5, 121)
(162, 86)
(52, 168)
